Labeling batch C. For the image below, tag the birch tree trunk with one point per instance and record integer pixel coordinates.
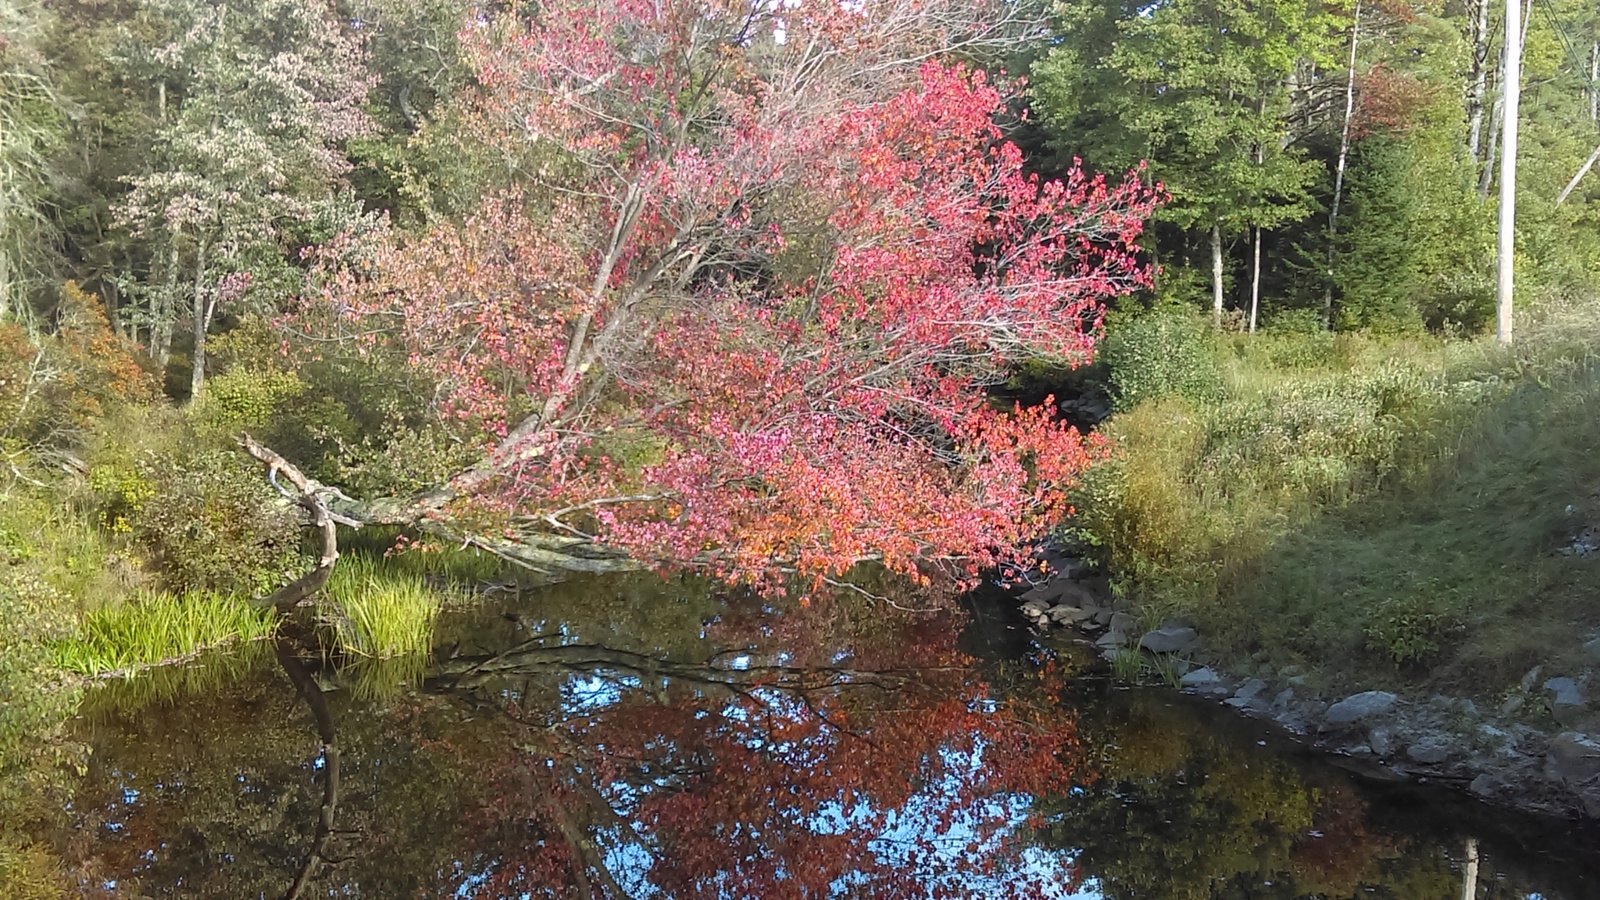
(162, 312)
(1216, 274)
(1255, 281)
(1339, 167)
(1478, 92)
(197, 372)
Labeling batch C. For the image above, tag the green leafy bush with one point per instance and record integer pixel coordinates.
(205, 522)
(1164, 353)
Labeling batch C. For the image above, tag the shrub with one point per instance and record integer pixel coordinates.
(1164, 353)
(206, 522)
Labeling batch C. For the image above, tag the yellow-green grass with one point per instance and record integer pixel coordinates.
(379, 610)
(156, 628)
(1370, 509)
(456, 565)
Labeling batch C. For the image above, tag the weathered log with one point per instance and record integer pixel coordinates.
(552, 556)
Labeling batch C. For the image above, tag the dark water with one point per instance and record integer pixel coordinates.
(626, 737)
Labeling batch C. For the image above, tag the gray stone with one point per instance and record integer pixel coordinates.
(1431, 750)
(1573, 759)
(1591, 652)
(1467, 707)
(1103, 616)
(1381, 740)
(1356, 707)
(1110, 640)
(1068, 615)
(1121, 621)
(1488, 786)
(1298, 680)
(1168, 640)
(1532, 678)
(1566, 701)
(1199, 678)
(1284, 698)
(1250, 689)
(1238, 702)
(1035, 608)
(1512, 706)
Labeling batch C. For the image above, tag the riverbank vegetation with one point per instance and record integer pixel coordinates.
(1373, 509)
(585, 287)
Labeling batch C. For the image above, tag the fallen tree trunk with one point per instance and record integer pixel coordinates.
(551, 556)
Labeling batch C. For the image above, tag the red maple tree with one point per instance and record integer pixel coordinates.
(777, 252)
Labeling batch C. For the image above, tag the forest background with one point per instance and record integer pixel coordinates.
(1300, 386)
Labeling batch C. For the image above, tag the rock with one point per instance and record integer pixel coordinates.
(1035, 607)
(1431, 750)
(1512, 706)
(1573, 759)
(1284, 698)
(1250, 689)
(1591, 652)
(1121, 621)
(1199, 678)
(1110, 640)
(1068, 615)
(1103, 616)
(1356, 707)
(1168, 640)
(1298, 680)
(1488, 786)
(1238, 702)
(1566, 701)
(1381, 740)
(1532, 678)
(1467, 707)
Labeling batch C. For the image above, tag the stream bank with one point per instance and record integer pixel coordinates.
(1537, 751)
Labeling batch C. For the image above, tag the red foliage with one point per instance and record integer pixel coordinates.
(780, 255)
(1391, 102)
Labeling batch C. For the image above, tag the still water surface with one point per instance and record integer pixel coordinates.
(634, 737)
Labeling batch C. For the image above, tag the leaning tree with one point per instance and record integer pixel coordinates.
(762, 264)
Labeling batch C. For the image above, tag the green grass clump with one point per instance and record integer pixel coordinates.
(381, 610)
(155, 628)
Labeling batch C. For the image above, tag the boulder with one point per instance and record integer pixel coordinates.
(1591, 652)
(1168, 640)
(1200, 678)
(1357, 707)
(1121, 621)
(1068, 615)
(1573, 759)
(1382, 741)
(1103, 616)
(1566, 701)
(1431, 750)
(1250, 689)
(1110, 640)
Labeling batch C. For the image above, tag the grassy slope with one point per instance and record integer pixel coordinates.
(1376, 512)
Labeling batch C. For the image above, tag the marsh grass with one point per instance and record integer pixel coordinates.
(464, 567)
(157, 628)
(380, 610)
(1370, 506)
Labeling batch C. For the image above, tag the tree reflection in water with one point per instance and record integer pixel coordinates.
(805, 751)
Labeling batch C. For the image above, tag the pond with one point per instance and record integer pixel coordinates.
(629, 736)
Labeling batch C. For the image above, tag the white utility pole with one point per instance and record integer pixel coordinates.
(1512, 87)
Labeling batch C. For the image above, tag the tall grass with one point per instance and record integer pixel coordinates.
(154, 628)
(1399, 502)
(380, 610)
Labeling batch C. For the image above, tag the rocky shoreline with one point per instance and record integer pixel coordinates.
(1495, 755)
